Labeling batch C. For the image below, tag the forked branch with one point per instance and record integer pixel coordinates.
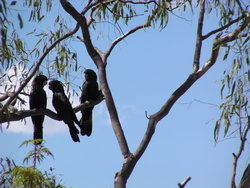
(97, 59)
(37, 65)
(130, 163)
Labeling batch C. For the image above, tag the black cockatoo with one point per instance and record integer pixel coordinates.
(89, 92)
(63, 108)
(38, 99)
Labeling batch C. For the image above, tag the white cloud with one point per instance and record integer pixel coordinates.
(100, 115)
(50, 126)
(25, 126)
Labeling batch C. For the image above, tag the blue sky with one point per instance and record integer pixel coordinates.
(142, 72)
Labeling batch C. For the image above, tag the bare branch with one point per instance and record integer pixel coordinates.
(183, 184)
(9, 94)
(223, 27)
(220, 41)
(106, 55)
(139, 2)
(97, 59)
(16, 116)
(37, 65)
(81, 20)
(130, 163)
(198, 46)
(237, 156)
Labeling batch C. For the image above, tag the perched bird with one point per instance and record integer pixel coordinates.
(38, 99)
(89, 92)
(63, 108)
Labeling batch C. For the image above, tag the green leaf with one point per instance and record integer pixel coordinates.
(233, 88)
(13, 3)
(20, 20)
(216, 130)
(221, 90)
(227, 123)
(26, 142)
(226, 53)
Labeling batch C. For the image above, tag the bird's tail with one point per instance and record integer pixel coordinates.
(86, 122)
(74, 133)
(38, 133)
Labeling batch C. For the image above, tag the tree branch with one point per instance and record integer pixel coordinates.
(183, 184)
(130, 163)
(37, 65)
(106, 55)
(237, 156)
(139, 2)
(97, 59)
(198, 45)
(19, 115)
(223, 27)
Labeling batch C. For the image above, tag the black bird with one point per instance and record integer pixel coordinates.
(38, 99)
(89, 92)
(63, 108)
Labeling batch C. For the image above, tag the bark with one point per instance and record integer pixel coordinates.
(37, 65)
(245, 181)
(197, 53)
(96, 56)
(99, 59)
(19, 115)
(129, 164)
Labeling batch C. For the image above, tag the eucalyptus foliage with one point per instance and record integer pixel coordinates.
(235, 88)
(17, 176)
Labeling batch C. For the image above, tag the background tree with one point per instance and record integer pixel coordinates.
(13, 175)
(233, 30)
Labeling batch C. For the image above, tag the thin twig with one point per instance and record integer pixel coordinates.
(223, 27)
(192, 78)
(37, 65)
(183, 184)
(139, 2)
(237, 156)
(106, 55)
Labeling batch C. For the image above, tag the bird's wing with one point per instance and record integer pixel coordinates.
(89, 91)
(83, 94)
(63, 107)
(38, 99)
